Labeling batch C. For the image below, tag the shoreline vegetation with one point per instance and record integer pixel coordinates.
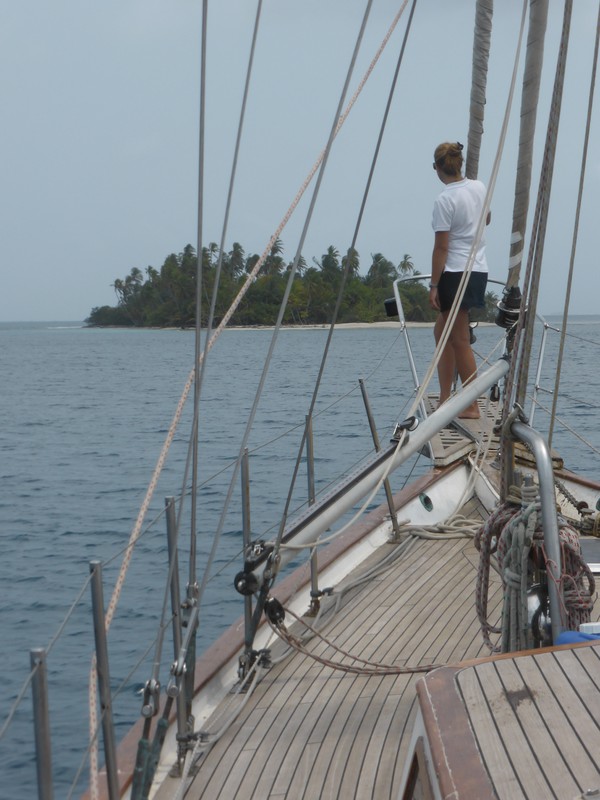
(166, 298)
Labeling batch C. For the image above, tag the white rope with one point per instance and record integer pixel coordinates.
(469, 267)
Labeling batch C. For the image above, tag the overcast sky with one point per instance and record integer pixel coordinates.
(100, 133)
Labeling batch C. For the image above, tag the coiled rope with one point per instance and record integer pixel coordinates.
(514, 534)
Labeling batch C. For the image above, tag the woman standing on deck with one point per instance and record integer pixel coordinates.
(456, 214)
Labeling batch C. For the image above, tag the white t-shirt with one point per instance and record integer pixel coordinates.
(457, 209)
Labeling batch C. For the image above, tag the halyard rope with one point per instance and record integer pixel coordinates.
(362, 667)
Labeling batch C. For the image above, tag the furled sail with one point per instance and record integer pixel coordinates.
(538, 14)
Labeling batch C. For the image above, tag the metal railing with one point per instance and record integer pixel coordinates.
(404, 327)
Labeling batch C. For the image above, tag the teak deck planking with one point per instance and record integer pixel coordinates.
(309, 731)
(533, 722)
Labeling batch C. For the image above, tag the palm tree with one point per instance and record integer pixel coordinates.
(382, 273)
(406, 266)
(235, 261)
(352, 260)
(274, 261)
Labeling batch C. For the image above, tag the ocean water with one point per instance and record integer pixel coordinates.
(83, 416)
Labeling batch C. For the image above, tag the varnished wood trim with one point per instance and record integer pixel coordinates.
(458, 766)
(580, 479)
(457, 762)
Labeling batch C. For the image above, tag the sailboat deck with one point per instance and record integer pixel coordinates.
(311, 731)
(462, 436)
(516, 726)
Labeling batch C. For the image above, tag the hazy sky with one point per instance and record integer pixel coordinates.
(100, 135)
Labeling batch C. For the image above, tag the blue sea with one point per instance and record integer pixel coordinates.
(83, 416)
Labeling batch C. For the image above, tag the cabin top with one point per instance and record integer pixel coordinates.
(511, 727)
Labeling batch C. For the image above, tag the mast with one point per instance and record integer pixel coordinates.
(481, 54)
(511, 299)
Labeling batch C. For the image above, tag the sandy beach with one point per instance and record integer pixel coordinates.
(342, 325)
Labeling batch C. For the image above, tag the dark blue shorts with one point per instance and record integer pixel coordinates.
(474, 296)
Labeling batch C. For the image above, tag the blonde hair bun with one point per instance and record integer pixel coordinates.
(448, 158)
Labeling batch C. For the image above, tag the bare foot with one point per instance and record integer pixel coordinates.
(470, 412)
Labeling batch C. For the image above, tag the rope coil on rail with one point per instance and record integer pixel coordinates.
(514, 534)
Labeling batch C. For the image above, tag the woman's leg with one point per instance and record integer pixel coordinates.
(460, 339)
(447, 363)
(457, 356)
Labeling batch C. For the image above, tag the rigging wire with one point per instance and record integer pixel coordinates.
(575, 227)
(255, 270)
(452, 316)
(199, 251)
(197, 339)
(523, 336)
(249, 280)
(199, 374)
(347, 269)
(292, 274)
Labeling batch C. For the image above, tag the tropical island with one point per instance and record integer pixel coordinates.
(166, 297)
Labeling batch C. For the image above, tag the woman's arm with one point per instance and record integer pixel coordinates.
(438, 263)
